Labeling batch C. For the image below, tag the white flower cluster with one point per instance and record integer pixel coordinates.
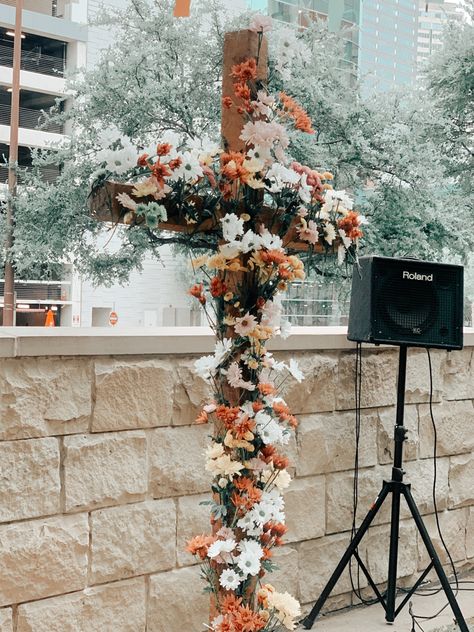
(270, 508)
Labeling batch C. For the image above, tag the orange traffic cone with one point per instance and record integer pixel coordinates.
(49, 322)
(182, 9)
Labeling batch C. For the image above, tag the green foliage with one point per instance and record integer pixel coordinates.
(408, 156)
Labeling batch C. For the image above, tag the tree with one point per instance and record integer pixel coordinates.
(404, 154)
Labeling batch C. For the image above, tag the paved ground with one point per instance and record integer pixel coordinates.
(371, 619)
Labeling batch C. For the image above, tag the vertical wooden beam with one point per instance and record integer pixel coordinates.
(9, 287)
(239, 46)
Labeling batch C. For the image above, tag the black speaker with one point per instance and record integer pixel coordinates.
(407, 302)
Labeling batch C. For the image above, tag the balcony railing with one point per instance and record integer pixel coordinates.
(40, 291)
(49, 174)
(28, 118)
(34, 61)
(56, 8)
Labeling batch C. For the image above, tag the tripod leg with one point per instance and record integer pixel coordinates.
(393, 555)
(461, 622)
(309, 620)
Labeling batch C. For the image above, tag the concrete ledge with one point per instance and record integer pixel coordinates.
(98, 341)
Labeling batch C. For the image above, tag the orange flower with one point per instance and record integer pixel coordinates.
(163, 149)
(245, 426)
(247, 620)
(256, 406)
(279, 529)
(267, 554)
(217, 287)
(142, 160)
(175, 163)
(227, 102)
(226, 626)
(232, 172)
(284, 272)
(273, 256)
(280, 462)
(160, 171)
(242, 91)
(350, 225)
(200, 544)
(246, 70)
(297, 113)
(202, 418)
(227, 415)
(281, 408)
(267, 453)
(230, 603)
(197, 291)
(266, 389)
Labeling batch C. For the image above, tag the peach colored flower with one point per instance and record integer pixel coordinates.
(245, 325)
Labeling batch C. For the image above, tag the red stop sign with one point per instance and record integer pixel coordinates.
(113, 318)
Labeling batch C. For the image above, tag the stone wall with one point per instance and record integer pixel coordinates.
(102, 473)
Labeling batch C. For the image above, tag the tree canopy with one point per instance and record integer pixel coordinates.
(406, 155)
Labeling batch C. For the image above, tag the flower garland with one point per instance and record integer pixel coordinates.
(260, 205)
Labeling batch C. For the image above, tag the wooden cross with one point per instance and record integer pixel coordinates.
(238, 46)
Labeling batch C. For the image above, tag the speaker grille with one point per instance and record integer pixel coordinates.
(407, 307)
(416, 302)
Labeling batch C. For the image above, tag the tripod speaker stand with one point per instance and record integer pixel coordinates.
(397, 489)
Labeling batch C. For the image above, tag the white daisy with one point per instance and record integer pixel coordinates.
(232, 226)
(229, 579)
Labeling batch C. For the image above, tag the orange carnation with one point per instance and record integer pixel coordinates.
(246, 70)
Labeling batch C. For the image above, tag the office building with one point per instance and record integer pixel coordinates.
(388, 44)
(54, 41)
(432, 19)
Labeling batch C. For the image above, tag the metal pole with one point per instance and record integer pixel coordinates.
(9, 287)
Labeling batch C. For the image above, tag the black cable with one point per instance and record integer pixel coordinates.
(355, 488)
(435, 504)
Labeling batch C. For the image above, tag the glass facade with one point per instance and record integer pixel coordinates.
(431, 20)
(341, 15)
(388, 43)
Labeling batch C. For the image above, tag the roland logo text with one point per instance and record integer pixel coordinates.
(416, 276)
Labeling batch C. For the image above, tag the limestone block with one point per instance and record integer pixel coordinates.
(132, 394)
(420, 474)
(418, 376)
(386, 426)
(44, 396)
(177, 461)
(133, 540)
(454, 428)
(305, 509)
(459, 375)
(176, 601)
(317, 561)
(377, 547)
(317, 392)
(326, 442)
(118, 607)
(453, 529)
(193, 519)
(379, 379)
(470, 533)
(461, 477)
(285, 577)
(190, 393)
(339, 498)
(6, 624)
(42, 558)
(29, 475)
(101, 470)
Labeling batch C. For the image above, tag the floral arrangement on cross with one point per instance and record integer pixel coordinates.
(259, 214)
